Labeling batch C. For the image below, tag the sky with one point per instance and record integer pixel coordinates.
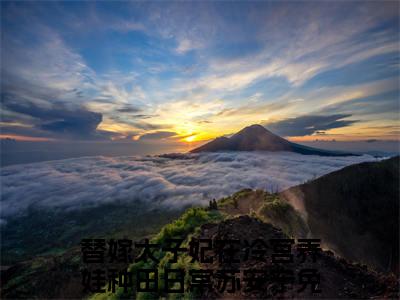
(181, 73)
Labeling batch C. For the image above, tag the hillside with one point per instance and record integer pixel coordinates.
(230, 220)
(338, 277)
(355, 209)
(258, 138)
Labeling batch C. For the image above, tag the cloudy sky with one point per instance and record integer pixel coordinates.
(185, 72)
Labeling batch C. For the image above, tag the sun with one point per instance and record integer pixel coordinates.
(190, 138)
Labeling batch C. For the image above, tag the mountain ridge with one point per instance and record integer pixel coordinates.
(361, 200)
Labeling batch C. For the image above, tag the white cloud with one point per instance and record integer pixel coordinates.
(186, 45)
(46, 71)
(298, 48)
(193, 179)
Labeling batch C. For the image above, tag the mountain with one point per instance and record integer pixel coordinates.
(339, 278)
(249, 216)
(258, 138)
(355, 211)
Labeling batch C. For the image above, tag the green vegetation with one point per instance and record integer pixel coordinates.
(281, 214)
(268, 207)
(184, 228)
(44, 276)
(242, 195)
(273, 210)
(42, 232)
(133, 223)
(45, 245)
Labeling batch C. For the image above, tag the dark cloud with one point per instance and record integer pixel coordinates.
(25, 131)
(372, 105)
(78, 93)
(148, 126)
(76, 122)
(158, 135)
(56, 120)
(128, 109)
(307, 125)
(143, 116)
(104, 99)
(320, 133)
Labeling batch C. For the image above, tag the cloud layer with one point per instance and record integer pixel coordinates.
(173, 181)
(307, 125)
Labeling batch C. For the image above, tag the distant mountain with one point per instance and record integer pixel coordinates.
(355, 211)
(258, 138)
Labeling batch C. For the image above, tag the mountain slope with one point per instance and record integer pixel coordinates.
(339, 278)
(257, 138)
(355, 211)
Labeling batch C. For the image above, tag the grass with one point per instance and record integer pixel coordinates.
(184, 228)
(233, 199)
(281, 214)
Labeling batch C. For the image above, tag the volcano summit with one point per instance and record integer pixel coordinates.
(258, 138)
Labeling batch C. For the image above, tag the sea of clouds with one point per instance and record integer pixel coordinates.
(173, 181)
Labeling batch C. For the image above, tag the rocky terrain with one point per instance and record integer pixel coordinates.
(338, 277)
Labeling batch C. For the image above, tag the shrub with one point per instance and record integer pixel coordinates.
(184, 227)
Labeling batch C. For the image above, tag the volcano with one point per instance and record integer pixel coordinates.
(258, 138)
